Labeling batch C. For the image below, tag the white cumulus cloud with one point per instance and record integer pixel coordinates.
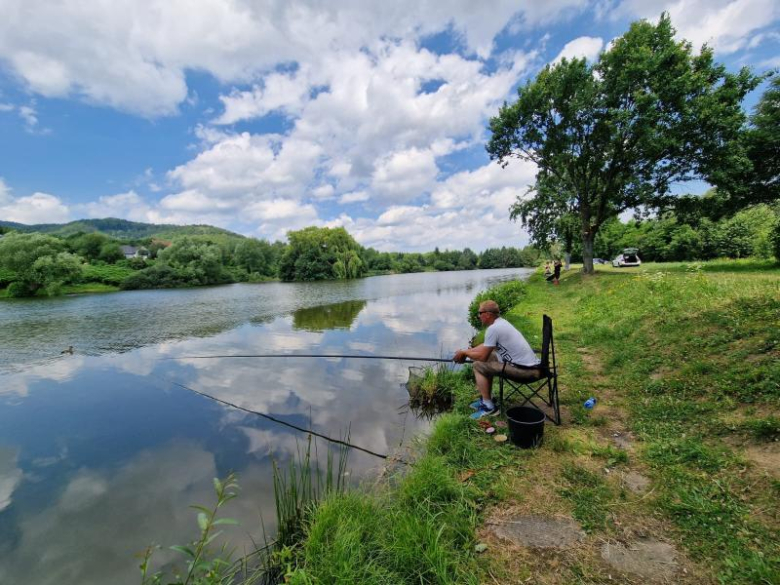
(134, 54)
(35, 208)
(725, 25)
(127, 205)
(587, 47)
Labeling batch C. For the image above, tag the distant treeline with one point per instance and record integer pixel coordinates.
(41, 264)
(753, 232)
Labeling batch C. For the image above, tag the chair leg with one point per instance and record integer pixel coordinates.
(554, 401)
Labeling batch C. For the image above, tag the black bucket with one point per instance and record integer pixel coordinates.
(526, 426)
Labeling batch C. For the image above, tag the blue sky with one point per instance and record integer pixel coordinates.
(266, 116)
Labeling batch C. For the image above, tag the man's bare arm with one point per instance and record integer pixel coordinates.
(479, 353)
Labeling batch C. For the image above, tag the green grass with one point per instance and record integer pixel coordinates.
(106, 274)
(434, 387)
(590, 495)
(89, 287)
(692, 353)
(419, 531)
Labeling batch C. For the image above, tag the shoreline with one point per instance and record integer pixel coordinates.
(616, 477)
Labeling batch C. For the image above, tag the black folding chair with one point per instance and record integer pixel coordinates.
(532, 389)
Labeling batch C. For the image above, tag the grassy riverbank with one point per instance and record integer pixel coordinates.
(681, 448)
(683, 359)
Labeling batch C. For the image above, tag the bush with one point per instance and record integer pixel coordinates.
(507, 295)
(776, 241)
(6, 277)
(39, 262)
(107, 274)
(157, 276)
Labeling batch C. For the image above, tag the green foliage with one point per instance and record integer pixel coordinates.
(667, 239)
(679, 111)
(205, 566)
(187, 262)
(39, 263)
(95, 246)
(757, 179)
(256, 257)
(120, 228)
(416, 534)
(775, 239)
(107, 274)
(434, 387)
(213, 256)
(6, 277)
(319, 254)
(507, 295)
(159, 275)
(503, 258)
(298, 488)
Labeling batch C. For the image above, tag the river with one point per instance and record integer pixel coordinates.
(103, 449)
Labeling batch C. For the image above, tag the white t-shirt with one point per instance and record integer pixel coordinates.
(510, 344)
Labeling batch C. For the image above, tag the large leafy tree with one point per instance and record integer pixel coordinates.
(256, 256)
(195, 261)
(39, 262)
(319, 254)
(759, 182)
(617, 134)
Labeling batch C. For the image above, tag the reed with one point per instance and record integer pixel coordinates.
(299, 486)
(435, 388)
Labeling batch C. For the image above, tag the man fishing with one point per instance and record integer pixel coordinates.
(503, 343)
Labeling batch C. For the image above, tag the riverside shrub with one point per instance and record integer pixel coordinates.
(507, 295)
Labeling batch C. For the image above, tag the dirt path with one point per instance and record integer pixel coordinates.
(536, 534)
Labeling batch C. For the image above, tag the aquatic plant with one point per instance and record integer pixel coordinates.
(431, 387)
(205, 566)
(301, 485)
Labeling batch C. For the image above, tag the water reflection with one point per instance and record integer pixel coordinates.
(335, 316)
(37, 330)
(102, 454)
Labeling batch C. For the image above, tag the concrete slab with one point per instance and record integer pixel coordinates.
(636, 482)
(539, 531)
(652, 559)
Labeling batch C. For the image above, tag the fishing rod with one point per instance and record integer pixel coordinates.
(290, 425)
(312, 355)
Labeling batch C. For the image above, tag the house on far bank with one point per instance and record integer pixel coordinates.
(133, 252)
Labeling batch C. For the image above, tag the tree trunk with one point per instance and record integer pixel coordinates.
(587, 252)
(566, 260)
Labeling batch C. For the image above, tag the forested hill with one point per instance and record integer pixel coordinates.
(119, 228)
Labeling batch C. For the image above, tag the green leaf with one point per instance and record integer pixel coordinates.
(203, 521)
(231, 521)
(184, 550)
(211, 538)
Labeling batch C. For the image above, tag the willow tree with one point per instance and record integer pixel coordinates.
(616, 134)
